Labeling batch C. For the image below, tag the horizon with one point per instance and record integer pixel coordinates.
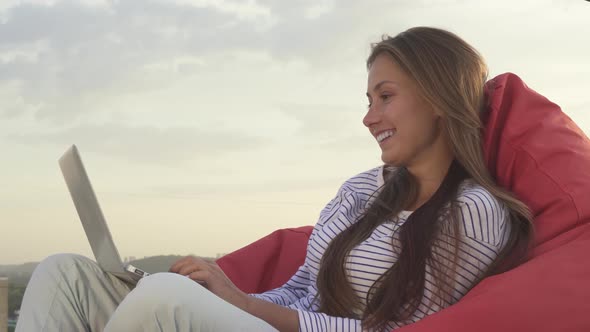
(205, 125)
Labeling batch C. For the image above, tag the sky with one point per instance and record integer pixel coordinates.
(207, 124)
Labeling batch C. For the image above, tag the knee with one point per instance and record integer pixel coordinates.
(60, 265)
(165, 292)
(166, 298)
(63, 260)
(171, 287)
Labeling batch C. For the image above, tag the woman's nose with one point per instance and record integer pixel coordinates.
(371, 118)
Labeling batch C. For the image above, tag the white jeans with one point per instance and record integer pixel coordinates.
(71, 293)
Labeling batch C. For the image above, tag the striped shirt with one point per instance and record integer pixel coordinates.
(483, 232)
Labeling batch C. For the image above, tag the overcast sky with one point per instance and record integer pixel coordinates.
(205, 125)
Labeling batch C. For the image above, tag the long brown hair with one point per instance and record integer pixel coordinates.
(451, 76)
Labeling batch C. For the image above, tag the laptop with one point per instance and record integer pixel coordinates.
(93, 221)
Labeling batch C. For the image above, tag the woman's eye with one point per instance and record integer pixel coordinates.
(385, 97)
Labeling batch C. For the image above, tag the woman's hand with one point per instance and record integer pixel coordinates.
(210, 275)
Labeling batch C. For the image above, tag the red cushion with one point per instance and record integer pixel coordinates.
(537, 152)
(549, 293)
(269, 262)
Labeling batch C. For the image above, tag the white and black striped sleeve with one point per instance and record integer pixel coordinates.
(298, 285)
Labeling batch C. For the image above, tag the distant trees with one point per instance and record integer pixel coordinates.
(15, 297)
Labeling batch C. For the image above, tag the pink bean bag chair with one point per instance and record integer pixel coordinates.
(536, 151)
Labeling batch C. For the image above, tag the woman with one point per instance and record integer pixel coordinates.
(397, 243)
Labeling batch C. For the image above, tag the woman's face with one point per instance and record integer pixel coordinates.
(405, 126)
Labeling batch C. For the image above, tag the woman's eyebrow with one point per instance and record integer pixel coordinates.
(378, 85)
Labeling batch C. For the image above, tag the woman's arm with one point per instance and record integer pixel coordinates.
(270, 306)
(294, 289)
(297, 286)
(280, 317)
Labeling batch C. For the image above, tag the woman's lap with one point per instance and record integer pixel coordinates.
(71, 292)
(171, 302)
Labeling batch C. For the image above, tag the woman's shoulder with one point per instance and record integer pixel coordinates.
(366, 182)
(473, 194)
(483, 217)
(351, 199)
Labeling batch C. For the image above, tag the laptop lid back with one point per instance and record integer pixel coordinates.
(89, 211)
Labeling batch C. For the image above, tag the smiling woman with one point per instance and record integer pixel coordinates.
(452, 225)
(397, 243)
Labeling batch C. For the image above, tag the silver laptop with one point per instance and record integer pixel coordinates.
(93, 220)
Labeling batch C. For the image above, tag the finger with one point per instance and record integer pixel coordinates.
(211, 263)
(192, 267)
(200, 276)
(180, 263)
(194, 264)
(216, 267)
(176, 265)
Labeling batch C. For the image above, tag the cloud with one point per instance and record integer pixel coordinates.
(246, 10)
(241, 191)
(68, 57)
(145, 143)
(70, 52)
(325, 121)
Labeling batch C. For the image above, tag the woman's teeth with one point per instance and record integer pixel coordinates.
(381, 137)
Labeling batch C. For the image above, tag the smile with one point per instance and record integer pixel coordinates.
(385, 135)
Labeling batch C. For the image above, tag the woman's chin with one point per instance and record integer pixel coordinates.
(390, 160)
